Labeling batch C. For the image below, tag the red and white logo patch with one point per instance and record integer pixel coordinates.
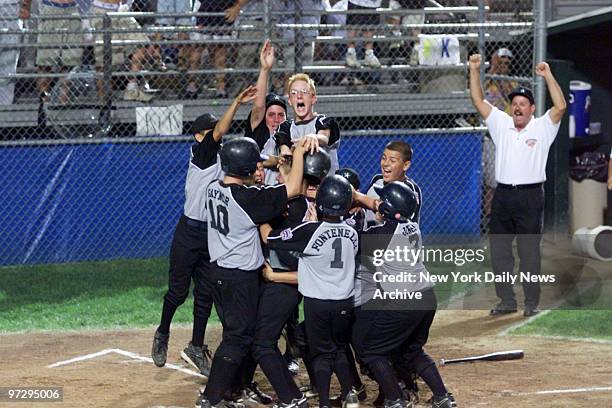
(531, 142)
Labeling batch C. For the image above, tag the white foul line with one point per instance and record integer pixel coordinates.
(567, 391)
(150, 360)
(82, 358)
(124, 353)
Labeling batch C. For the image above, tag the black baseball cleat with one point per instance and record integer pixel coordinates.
(301, 402)
(351, 400)
(195, 357)
(445, 401)
(294, 367)
(258, 394)
(398, 403)
(502, 309)
(159, 352)
(359, 391)
(530, 311)
(203, 402)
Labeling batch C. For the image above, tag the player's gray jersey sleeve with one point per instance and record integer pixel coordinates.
(197, 180)
(233, 235)
(292, 239)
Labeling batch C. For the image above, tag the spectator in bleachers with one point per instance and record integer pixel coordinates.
(288, 49)
(247, 55)
(215, 28)
(136, 54)
(339, 49)
(248, 52)
(10, 11)
(176, 6)
(370, 60)
(407, 20)
(498, 89)
(55, 31)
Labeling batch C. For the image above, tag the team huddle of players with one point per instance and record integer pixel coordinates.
(263, 232)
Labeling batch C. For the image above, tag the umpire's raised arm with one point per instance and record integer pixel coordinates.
(556, 94)
(476, 93)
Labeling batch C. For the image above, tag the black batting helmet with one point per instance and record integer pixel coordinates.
(334, 197)
(239, 157)
(351, 175)
(397, 198)
(316, 165)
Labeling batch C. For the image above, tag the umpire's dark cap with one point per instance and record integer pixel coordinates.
(522, 91)
(203, 123)
(274, 99)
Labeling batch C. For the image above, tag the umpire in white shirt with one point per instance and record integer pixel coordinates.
(521, 150)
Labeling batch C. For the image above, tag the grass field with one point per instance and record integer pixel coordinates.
(128, 294)
(593, 321)
(594, 324)
(97, 295)
(107, 294)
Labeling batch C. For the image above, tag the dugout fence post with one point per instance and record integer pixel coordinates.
(481, 37)
(267, 18)
(539, 54)
(104, 120)
(298, 37)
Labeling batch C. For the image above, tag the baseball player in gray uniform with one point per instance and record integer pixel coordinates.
(326, 279)
(322, 129)
(234, 211)
(394, 162)
(388, 332)
(189, 256)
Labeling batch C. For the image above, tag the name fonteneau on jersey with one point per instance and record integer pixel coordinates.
(334, 233)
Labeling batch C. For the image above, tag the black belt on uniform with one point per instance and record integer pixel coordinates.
(518, 186)
(195, 223)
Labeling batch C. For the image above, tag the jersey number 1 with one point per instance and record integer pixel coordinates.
(337, 247)
(220, 223)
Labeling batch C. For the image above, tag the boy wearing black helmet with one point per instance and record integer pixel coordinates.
(279, 296)
(356, 215)
(393, 316)
(189, 256)
(326, 280)
(234, 211)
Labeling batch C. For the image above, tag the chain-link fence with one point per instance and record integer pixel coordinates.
(94, 102)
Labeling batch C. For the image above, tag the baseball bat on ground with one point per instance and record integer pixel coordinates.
(498, 356)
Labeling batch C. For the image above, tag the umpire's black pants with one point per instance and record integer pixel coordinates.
(189, 259)
(276, 305)
(517, 212)
(236, 296)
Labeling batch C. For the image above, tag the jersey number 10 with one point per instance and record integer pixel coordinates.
(220, 221)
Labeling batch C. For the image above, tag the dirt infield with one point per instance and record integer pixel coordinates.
(116, 380)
